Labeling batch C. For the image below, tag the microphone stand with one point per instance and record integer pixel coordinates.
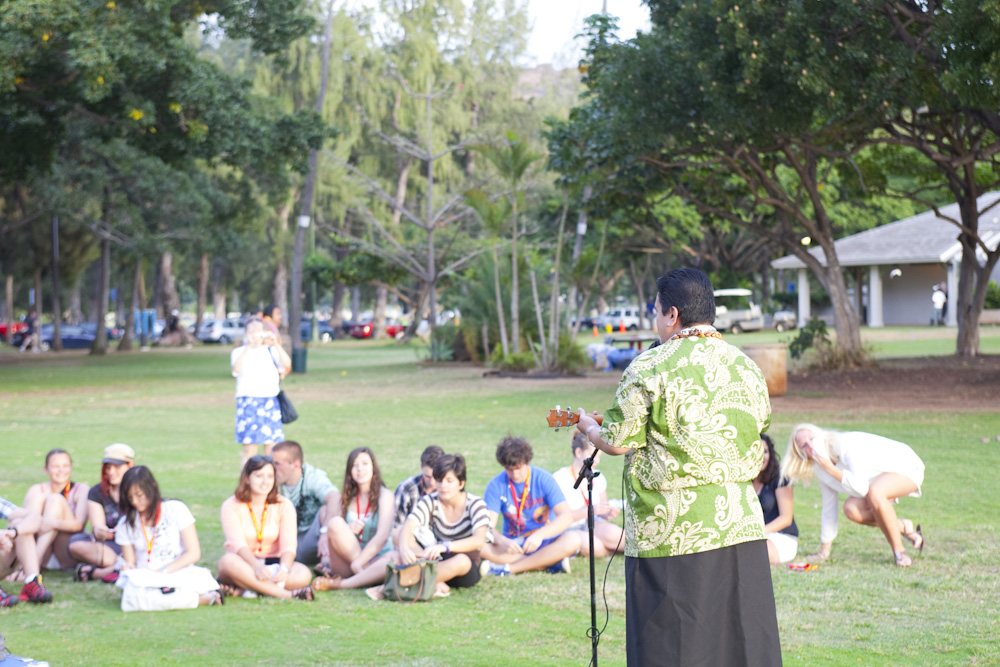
(587, 472)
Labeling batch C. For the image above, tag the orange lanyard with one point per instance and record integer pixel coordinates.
(573, 472)
(260, 529)
(65, 491)
(152, 529)
(524, 494)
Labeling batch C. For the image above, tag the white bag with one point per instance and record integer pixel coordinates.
(143, 590)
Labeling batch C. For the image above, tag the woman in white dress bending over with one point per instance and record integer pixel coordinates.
(159, 543)
(872, 470)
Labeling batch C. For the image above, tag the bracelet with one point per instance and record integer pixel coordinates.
(447, 547)
(591, 429)
(14, 528)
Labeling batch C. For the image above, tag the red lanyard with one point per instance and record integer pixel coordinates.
(149, 538)
(357, 507)
(573, 477)
(260, 530)
(524, 494)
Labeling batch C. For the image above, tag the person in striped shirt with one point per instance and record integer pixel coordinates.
(458, 522)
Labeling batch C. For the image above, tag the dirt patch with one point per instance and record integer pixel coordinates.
(924, 384)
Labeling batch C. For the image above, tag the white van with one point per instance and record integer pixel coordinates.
(736, 312)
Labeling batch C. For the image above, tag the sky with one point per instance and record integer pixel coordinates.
(556, 22)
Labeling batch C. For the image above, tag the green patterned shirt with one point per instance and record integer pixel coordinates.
(691, 411)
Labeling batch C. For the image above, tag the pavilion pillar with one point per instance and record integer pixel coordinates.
(951, 317)
(875, 297)
(803, 288)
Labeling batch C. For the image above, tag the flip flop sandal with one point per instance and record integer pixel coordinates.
(83, 572)
(323, 570)
(321, 584)
(304, 593)
(110, 578)
(231, 591)
(902, 559)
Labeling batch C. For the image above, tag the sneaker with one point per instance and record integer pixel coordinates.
(498, 570)
(6, 599)
(560, 567)
(35, 592)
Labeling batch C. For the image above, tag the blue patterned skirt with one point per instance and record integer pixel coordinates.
(258, 421)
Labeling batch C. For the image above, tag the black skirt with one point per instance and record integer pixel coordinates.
(710, 609)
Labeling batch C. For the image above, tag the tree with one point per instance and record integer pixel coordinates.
(744, 119)
(512, 159)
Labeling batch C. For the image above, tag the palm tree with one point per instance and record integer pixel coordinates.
(512, 159)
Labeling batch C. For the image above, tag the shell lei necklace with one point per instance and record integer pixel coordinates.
(698, 331)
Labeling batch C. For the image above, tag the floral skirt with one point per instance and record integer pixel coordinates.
(258, 421)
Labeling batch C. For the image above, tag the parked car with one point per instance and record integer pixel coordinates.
(17, 329)
(736, 312)
(74, 336)
(364, 329)
(220, 331)
(326, 332)
(630, 316)
(784, 320)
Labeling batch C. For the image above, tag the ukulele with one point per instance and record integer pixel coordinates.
(560, 418)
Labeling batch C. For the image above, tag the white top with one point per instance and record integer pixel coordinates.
(167, 546)
(259, 377)
(863, 457)
(938, 298)
(576, 498)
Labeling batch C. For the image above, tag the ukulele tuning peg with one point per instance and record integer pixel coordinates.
(558, 408)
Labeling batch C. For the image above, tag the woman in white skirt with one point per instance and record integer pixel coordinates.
(872, 470)
(160, 548)
(258, 366)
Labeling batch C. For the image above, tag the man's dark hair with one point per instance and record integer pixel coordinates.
(450, 463)
(293, 448)
(512, 452)
(430, 456)
(690, 291)
(270, 309)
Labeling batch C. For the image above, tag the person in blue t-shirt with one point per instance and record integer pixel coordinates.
(535, 516)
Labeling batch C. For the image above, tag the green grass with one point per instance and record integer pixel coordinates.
(176, 408)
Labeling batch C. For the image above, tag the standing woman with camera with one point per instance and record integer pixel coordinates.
(258, 366)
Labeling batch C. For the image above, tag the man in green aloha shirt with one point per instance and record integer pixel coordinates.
(689, 414)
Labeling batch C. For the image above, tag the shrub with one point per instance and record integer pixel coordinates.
(992, 295)
(829, 355)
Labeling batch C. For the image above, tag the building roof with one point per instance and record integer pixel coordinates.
(925, 238)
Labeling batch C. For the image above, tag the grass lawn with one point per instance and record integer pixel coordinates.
(175, 407)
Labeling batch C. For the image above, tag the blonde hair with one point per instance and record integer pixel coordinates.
(795, 465)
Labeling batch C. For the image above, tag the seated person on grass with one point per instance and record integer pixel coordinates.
(535, 516)
(63, 503)
(457, 522)
(359, 532)
(158, 539)
(314, 496)
(259, 526)
(17, 551)
(607, 535)
(99, 556)
(412, 489)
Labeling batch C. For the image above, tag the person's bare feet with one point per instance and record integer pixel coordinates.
(441, 590)
(212, 598)
(376, 592)
(914, 535)
(231, 591)
(320, 584)
(902, 560)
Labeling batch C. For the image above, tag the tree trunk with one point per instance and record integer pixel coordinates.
(100, 344)
(967, 315)
(546, 362)
(845, 319)
(9, 307)
(120, 299)
(161, 311)
(337, 308)
(355, 303)
(515, 316)
(125, 345)
(404, 164)
(555, 321)
(171, 298)
(203, 270)
(37, 282)
(378, 319)
(56, 289)
(280, 292)
(218, 290)
(76, 302)
(499, 296)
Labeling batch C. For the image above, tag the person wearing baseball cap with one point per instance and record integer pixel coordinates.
(97, 552)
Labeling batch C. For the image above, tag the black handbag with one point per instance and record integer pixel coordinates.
(288, 411)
